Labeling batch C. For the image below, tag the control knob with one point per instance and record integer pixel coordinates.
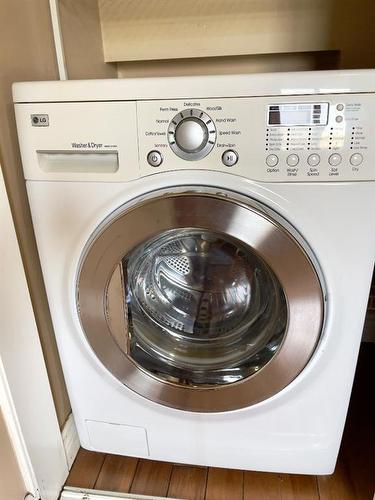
(191, 134)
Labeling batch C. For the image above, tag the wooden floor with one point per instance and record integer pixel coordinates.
(354, 478)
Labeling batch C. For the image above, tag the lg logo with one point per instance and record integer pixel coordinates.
(39, 120)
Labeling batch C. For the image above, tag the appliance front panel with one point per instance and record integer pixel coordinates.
(284, 433)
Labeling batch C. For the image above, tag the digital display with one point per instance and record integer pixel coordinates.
(301, 113)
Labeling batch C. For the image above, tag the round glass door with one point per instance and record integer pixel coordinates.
(199, 301)
(203, 308)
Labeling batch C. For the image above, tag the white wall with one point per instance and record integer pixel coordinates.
(23, 378)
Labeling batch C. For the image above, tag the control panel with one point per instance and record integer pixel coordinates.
(304, 138)
(297, 138)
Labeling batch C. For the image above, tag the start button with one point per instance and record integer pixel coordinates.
(229, 157)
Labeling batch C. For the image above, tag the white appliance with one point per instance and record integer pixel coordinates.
(207, 245)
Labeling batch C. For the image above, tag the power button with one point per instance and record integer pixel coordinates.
(154, 158)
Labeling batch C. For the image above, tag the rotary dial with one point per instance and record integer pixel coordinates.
(191, 134)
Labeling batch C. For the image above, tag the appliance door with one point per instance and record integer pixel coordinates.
(199, 301)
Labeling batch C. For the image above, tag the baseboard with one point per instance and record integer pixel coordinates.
(70, 440)
(70, 493)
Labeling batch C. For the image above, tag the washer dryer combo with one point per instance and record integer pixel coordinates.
(207, 245)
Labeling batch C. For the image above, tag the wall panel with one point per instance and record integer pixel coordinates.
(166, 29)
(27, 53)
(162, 30)
(82, 40)
(300, 61)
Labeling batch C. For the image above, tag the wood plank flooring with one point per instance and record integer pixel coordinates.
(354, 477)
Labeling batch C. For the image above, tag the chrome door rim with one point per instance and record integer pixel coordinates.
(224, 213)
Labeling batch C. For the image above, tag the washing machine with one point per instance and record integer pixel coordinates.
(207, 245)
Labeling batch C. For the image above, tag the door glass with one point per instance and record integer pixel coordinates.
(196, 308)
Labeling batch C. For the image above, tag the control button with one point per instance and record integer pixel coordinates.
(154, 158)
(340, 107)
(339, 119)
(229, 158)
(356, 159)
(334, 159)
(272, 160)
(191, 135)
(313, 160)
(292, 160)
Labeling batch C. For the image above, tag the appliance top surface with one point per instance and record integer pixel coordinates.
(267, 84)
